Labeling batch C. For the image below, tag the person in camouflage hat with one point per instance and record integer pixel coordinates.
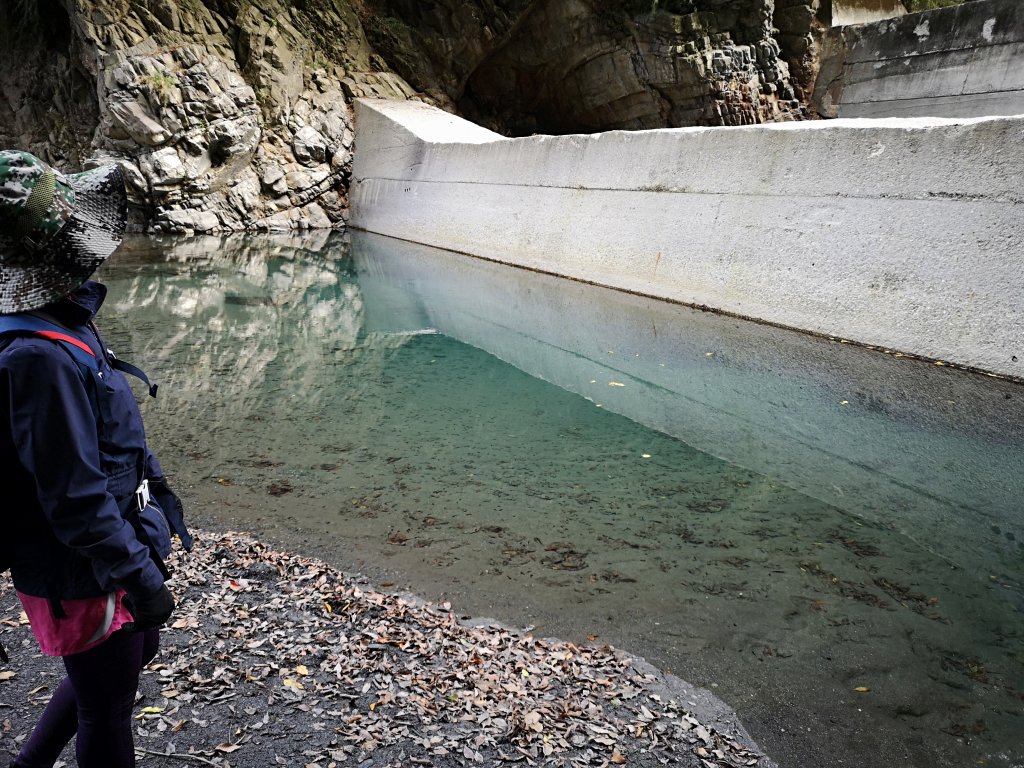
(87, 514)
(55, 229)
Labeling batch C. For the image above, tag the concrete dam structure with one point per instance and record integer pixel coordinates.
(903, 234)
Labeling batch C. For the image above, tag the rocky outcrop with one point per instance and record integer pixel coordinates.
(224, 116)
(558, 66)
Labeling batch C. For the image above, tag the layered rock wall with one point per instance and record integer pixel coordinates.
(224, 115)
(230, 115)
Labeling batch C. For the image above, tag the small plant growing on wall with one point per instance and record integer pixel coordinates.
(161, 85)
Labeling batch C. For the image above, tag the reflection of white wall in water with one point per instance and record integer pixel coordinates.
(246, 308)
(933, 453)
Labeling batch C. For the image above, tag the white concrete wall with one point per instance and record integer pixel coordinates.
(960, 61)
(906, 234)
(862, 11)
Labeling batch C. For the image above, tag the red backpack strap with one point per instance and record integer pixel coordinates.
(67, 338)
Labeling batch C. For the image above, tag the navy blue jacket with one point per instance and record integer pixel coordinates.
(63, 477)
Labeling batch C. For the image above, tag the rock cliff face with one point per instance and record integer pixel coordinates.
(232, 115)
(225, 116)
(558, 66)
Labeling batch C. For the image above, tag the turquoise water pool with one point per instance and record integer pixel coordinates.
(784, 519)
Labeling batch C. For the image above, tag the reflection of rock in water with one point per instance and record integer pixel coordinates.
(265, 312)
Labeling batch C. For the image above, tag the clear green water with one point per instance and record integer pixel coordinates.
(852, 521)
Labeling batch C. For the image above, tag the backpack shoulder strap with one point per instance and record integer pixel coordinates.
(25, 324)
(30, 325)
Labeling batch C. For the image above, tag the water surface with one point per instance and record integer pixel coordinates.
(828, 537)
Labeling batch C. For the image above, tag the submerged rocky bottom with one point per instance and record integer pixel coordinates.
(301, 400)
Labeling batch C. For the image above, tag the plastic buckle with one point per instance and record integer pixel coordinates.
(142, 495)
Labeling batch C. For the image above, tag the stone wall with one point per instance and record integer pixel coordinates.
(231, 115)
(959, 61)
(833, 227)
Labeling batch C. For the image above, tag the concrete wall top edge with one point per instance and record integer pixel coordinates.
(974, 158)
(434, 126)
(426, 122)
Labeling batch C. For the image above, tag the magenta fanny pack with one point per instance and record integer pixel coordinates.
(86, 623)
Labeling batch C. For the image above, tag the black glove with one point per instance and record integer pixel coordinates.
(149, 609)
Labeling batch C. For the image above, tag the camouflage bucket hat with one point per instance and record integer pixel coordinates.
(55, 229)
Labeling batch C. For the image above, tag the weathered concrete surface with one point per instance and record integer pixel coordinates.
(961, 61)
(896, 233)
(845, 12)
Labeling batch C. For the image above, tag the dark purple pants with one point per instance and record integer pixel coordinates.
(95, 702)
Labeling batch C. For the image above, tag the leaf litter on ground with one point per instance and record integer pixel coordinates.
(277, 659)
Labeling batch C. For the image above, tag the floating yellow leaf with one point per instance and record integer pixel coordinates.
(844, 402)
(645, 455)
(616, 384)
(862, 689)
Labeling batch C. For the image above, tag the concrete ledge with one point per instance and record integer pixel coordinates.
(897, 233)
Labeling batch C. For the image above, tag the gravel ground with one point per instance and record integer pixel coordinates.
(276, 659)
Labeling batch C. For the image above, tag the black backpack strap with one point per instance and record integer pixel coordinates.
(37, 324)
(126, 367)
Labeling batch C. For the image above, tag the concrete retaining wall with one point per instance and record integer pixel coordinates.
(846, 12)
(901, 234)
(961, 61)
